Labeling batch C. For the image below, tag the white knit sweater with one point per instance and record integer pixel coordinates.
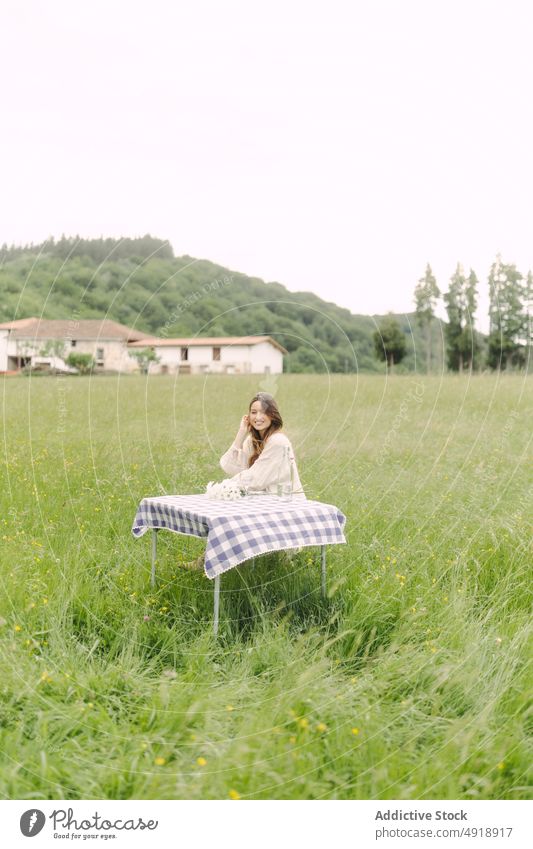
(268, 470)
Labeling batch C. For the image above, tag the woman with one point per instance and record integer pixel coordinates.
(261, 457)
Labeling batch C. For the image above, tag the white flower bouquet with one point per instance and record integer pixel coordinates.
(227, 490)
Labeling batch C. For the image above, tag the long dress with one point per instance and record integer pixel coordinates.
(269, 469)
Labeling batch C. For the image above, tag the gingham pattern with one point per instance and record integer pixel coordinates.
(241, 529)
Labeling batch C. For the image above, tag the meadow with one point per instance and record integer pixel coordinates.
(412, 680)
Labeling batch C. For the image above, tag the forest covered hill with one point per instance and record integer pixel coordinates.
(140, 283)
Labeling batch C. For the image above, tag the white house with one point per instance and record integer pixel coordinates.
(33, 341)
(215, 355)
(39, 341)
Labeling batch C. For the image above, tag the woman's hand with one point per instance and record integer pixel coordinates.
(243, 431)
(245, 425)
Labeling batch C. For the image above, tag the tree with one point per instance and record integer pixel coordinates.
(83, 362)
(389, 341)
(55, 349)
(454, 301)
(144, 357)
(508, 316)
(529, 324)
(461, 303)
(426, 294)
(470, 343)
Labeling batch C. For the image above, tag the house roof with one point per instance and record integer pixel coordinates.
(155, 342)
(82, 328)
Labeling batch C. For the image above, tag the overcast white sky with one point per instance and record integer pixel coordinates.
(331, 146)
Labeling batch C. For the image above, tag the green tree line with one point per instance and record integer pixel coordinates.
(509, 342)
(140, 283)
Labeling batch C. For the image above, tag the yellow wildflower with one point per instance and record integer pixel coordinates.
(355, 731)
(321, 727)
(201, 761)
(160, 761)
(233, 794)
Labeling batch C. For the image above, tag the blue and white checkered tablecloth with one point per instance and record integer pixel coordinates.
(241, 529)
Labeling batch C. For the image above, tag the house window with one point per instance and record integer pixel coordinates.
(99, 356)
(72, 343)
(216, 353)
(184, 353)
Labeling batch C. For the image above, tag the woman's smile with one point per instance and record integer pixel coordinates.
(259, 419)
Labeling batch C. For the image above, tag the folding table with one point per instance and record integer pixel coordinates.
(241, 529)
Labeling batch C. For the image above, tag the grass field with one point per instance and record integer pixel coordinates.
(411, 681)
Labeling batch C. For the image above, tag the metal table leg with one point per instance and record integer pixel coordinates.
(323, 558)
(154, 554)
(216, 605)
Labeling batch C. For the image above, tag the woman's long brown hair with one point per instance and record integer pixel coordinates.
(271, 409)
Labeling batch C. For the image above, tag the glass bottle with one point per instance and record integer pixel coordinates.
(285, 476)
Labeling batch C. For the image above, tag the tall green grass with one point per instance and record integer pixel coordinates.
(410, 681)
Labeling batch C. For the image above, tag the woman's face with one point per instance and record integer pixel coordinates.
(258, 417)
